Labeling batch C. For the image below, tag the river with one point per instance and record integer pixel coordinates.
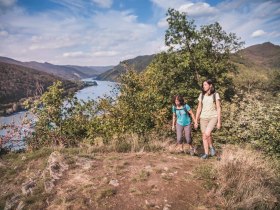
(102, 89)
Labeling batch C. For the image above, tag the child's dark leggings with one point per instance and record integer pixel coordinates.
(179, 131)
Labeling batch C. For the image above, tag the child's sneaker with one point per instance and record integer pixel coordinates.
(192, 152)
(205, 156)
(212, 151)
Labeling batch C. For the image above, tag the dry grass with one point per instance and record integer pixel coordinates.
(246, 180)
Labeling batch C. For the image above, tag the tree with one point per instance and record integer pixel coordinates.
(206, 50)
(193, 56)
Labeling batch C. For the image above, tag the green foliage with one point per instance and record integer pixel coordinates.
(22, 82)
(60, 121)
(143, 106)
(252, 118)
(208, 50)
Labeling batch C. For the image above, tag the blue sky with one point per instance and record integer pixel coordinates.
(105, 32)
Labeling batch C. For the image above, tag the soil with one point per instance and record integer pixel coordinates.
(159, 180)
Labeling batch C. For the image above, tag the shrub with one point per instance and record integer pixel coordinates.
(252, 118)
(246, 180)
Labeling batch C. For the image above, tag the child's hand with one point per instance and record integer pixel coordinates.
(173, 128)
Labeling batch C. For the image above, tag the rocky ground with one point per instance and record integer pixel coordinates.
(71, 179)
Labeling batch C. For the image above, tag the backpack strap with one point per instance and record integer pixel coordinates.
(184, 108)
(214, 97)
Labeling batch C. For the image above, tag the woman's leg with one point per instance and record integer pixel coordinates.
(211, 125)
(203, 127)
(205, 143)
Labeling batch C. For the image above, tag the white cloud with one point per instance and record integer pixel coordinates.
(74, 54)
(105, 53)
(244, 17)
(104, 3)
(165, 4)
(198, 9)
(162, 23)
(4, 33)
(58, 37)
(83, 36)
(7, 3)
(258, 33)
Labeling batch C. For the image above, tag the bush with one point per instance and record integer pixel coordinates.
(252, 118)
(246, 180)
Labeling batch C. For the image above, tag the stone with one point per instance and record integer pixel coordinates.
(148, 169)
(114, 182)
(49, 185)
(56, 165)
(27, 187)
(11, 203)
(20, 205)
(166, 207)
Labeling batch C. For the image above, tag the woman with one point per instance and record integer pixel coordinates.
(181, 115)
(209, 112)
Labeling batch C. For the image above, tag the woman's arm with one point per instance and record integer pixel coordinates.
(192, 115)
(198, 111)
(218, 106)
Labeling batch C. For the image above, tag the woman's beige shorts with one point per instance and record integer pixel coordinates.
(208, 123)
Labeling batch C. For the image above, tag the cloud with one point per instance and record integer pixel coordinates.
(199, 9)
(258, 33)
(244, 17)
(162, 23)
(165, 4)
(81, 34)
(74, 54)
(7, 3)
(103, 38)
(105, 53)
(104, 3)
(4, 33)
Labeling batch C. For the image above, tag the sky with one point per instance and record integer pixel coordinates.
(105, 32)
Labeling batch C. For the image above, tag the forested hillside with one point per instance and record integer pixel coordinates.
(18, 82)
(138, 64)
(257, 65)
(70, 72)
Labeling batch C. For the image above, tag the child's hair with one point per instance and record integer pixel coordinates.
(210, 82)
(180, 99)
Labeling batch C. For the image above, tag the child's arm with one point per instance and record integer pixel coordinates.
(173, 121)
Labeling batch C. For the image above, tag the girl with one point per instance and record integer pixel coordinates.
(209, 112)
(181, 115)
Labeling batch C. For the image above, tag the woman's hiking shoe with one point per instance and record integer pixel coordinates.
(205, 156)
(212, 151)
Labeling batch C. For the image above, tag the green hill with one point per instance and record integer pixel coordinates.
(69, 72)
(18, 82)
(139, 64)
(258, 67)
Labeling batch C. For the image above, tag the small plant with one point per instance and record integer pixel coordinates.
(105, 193)
(207, 174)
(143, 175)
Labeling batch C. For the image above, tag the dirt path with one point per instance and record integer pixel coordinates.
(131, 181)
